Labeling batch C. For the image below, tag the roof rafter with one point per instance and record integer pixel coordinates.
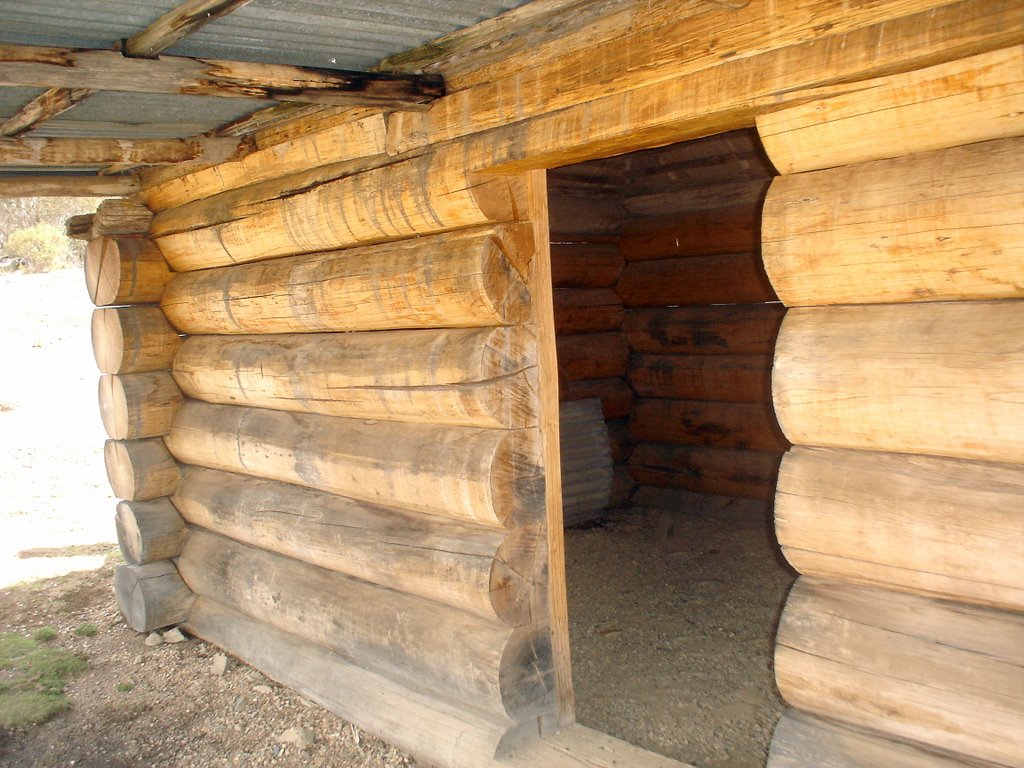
(91, 152)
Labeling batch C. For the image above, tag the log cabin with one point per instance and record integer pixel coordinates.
(348, 280)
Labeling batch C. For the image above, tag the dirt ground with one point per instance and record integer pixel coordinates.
(672, 616)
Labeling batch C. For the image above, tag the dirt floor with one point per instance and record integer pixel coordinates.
(672, 615)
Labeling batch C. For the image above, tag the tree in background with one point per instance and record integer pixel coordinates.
(32, 232)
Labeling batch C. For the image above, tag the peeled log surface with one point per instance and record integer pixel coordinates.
(591, 356)
(134, 405)
(487, 571)
(940, 379)
(973, 99)
(425, 195)
(615, 394)
(585, 265)
(457, 280)
(805, 741)
(744, 426)
(720, 378)
(140, 470)
(432, 729)
(944, 674)
(133, 340)
(124, 271)
(944, 527)
(148, 531)
(715, 471)
(937, 226)
(487, 476)
(151, 596)
(473, 377)
(735, 278)
(739, 329)
(587, 310)
(698, 233)
(485, 664)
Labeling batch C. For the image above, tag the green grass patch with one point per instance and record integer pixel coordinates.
(44, 634)
(125, 687)
(86, 630)
(32, 679)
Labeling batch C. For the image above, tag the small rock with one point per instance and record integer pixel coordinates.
(220, 665)
(154, 638)
(303, 738)
(174, 636)
(262, 689)
(139, 660)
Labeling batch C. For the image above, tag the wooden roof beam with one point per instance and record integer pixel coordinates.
(25, 65)
(58, 185)
(90, 152)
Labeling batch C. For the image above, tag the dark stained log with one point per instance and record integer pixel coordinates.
(623, 487)
(620, 438)
(701, 233)
(148, 531)
(585, 265)
(67, 185)
(140, 470)
(124, 270)
(616, 396)
(133, 339)
(583, 216)
(592, 356)
(151, 596)
(587, 310)
(720, 378)
(86, 152)
(79, 227)
(746, 474)
(744, 426)
(721, 330)
(737, 278)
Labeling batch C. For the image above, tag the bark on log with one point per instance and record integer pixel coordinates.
(135, 405)
(719, 378)
(616, 396)
(734, 229)
(743, 426)
(456, 654)
(941, 379)
(140, 470)
(744, 474)
(948, 528)
(943, 674)
(124, 271)
(585, 265)
(118, 216)
(148, 531)
(487, 571)
(471, 377)
(937, 226)
(736, 278)
(741, 329)
(151, 596)
(587, 310)
(486, 476)
(592, 356)
(458, 280)
(974, 99)
(133, 340)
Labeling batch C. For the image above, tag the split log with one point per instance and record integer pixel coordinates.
(151, 596)
(457, 280)
(368, 207)
(805, 741)
(699, 233)
(742, 329)
(974, 99)
(911, 378)
(118, 216)
(124, 271)
(615, 394)
(586, 461)
(133, 340)
(585, 265)
(79, 227)
(140, 470)
(744, 426)
(720, 378)
(948, 528)
(487, 571)
(588, 310)
(136, 405)
(744, 474)
(735, 278)
(937, 226)
(592, 356)
(471, 377)
(487, 476)
(944, 674)
(484, 664)
(434, 730)
(148, 531)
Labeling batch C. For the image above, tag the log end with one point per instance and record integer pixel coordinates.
(152, 596)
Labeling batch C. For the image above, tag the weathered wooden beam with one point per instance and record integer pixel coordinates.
(178, 23)
(37, 66)
(89, 152)
(56, 185)
(48, 104)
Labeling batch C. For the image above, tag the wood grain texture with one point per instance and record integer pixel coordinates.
(615, 394)
(148, 531)
(695, 280)
(936, 226)
(742, 426)
(178, 23)
(975, 99)
(134, 339)
(718, 378)
(733, 229)
(43, 185)
(939, 673)
(477, 475)
(140, 470)
(118, 216)
(151, 596)
(585, 265)
(46, 105)
(134, 405)
(941, 379)
(591, 356)
(719, 472)
(121, 270)
(587, 310)
(486, 571)
(471, 377)
(948, 528)
(739, 329)
(36, 152)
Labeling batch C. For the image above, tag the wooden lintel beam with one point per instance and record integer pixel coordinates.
(64, 152)
(56, 185)
(178, 23)
(24, 65)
